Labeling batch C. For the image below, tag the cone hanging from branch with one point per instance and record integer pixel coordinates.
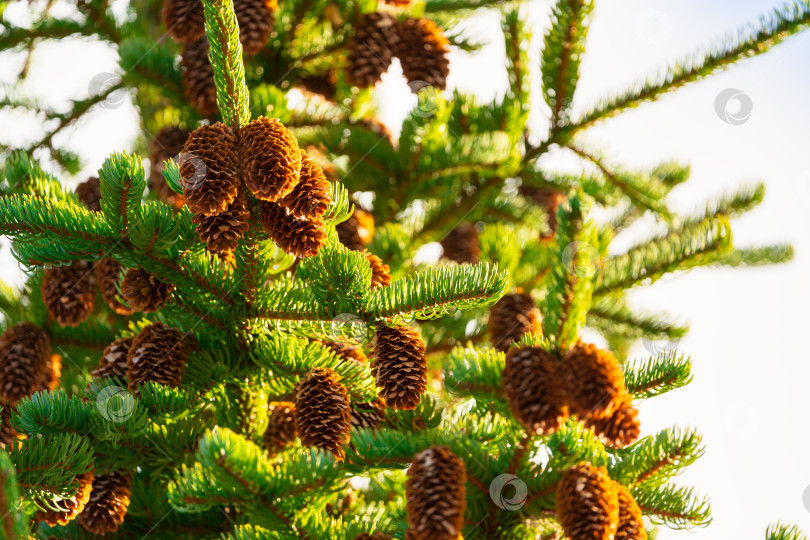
(399, 366)
(380, 272)
(158, 354)
(322, 411)
(108, 274)
(71, 507)
(620, 428)
(461, 244)
(435, 495)
(300, 237)
(166, 144)
(208, 169)
(89, 193)
(184, 19)
(533, 389)
(422, 50)
(108, 503)
(511, 317)
(221, 232)
(113, 362)
(271, 159)
(594, 380)
(280, 432)
(631, 519)
(372, 49)
(346, 351)
(255, 18)
(144, 292)
(587, 503)
(309, 199)
(199, 87)
(69, 292)
(368, 415)
(356, 232)
(25, 355)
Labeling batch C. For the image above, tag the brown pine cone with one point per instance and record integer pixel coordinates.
(347, 351)
(511, 317)
(323, 84)
(255, 18)
(113, 362)
(435, 494)
(144, 292)
(8, 435)
(108, 273)
(280, 432)
(89, 193)
(399, 366)
(158, 354)
(199, 87)
(69, 292)
(631, 519)
(371, 49)
(422, 50)
(25, 357)
(309, 199)
(166, 144)
(208, 169)
(587, 503)
(53, 373)
(461, 244)
(549, 200)
(300, 237)
(356, 232)
(368, 415)
(533, 389)
(594, 381)
(620, 428)
(380, 272)
(184, 19)
(322, 411)
(221, 233)
(372, 536)
(70, 507)
(271, 159)
(109, 500)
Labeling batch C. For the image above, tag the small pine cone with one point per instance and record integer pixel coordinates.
(70, 507)
(323, 84)
(461, 244)
(25, 356)
(300, 237)
(199, 87)
(620, 428)
(280, 432)
(69, 292)
(356, 232)
(511, 317)
(368, 415)
(113, 362)
(631, 519)
(108, 273)
(53, 373)
(371, 49)
(372, 536)
(255, 18)
(109, 500)
(533, 389)
(322, 411)
(184, 19)
(422, 50)
(89, 193)
(221, 233)
(549, 200)
(271, 159)
(400, 366)
(587, 503)
(594, 381)
(347, 351)
(208, 169)
(166, 144)
(309, 199)
(8, 435)
(158, 354)
(435, 494)
(380, 272)
(144, 292)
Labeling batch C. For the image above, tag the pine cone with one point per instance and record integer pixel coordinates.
(53, 373)
(208, 169)
(619, 429)
(271, 159)
(631, 519)
(309, 199)
(322, 411)
(422, 50)
(435, 494)
(159, 354)
(371, 49)
(89, 193)
(199, 87)
(533, 389)
(372, 536)
(8, 435)
(380, 272)
(221, 233)
(108, 273)
(113, 362)
(109, 500)
(69, 292)
(144, 292)
(368, 415)
(184, 19)
(587, 503)
(461, 244)
(594, 381)
(300, 237)
(511, 317)
(255, 18)
(400, 366)
(280, 432)
(70, 507)
(323, 84)
(25, 355)
(549, 200)
(166, 144)
(356, 232)
(347, 351)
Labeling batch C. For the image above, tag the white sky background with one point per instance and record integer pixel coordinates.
(750, 395)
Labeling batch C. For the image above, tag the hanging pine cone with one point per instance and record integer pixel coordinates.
(113, 362)
(380, 272)
(400, 366)
(69, 292)
(533, 389)
(158, 354)
(309, 199)
(372, 536)
(280, 432)
(221, 233)
(631, 519)
(422, 50)
(166, 144)
(184, 19)
(356, 232)
(70, 507)
(587, 503)
(371, 49)
(368, 415)
(89, 193)
(271, 159)
(108, 503)
(461, 244)
(511, 317)
(53, 373)
(208, 169)
(322, 84)
(199, 87)
(594, 381)
(322, 411)
(347, 351)
(255, 18)
(549, 199)
(435, 494)
(300, 237)
(108, 274)
(620, 428)
(144, 292)
(25, 355)
(8, 435)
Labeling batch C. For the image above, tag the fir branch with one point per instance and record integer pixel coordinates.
(757, 256)
(475, 372)
(655, 460)
(609, 313)
(779, 531)
(675, 507)
(51, 413)
(657, 375)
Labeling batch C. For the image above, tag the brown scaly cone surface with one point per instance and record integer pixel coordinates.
(309, 199)
(533, 389)
(587, 503)
(280, 432)
(108, 272)
(70, 507)
(631, 520)
(422, 50)
(511, 317)
(184, 19)
(435, 495)
(108, 503)
(255, 18)
(461, 244)
(300, 237)
(113, 362)
(371, 49)
(208, 169)
(322, 411)
(271, 159)
(620, 428)
(166, 144)
(399, 366)
(346, 351)
(594, 380)
(221, 232)
(368, 415)
(25, 357)
(380, 272)
(89, 193)
(198, 77)
(158, 353)
(356, 232)
(69, 292)
(144, 292)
